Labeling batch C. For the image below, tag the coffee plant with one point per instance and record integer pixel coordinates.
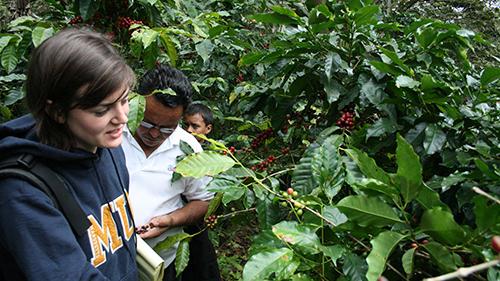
(363, 143)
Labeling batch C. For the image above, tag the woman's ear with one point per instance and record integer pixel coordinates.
(54, 113)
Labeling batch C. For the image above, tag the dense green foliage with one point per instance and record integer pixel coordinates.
(382, 126)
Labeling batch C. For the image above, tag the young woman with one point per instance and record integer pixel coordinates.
(76, 91)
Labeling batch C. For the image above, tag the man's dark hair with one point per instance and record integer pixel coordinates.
(164, 77)
(203, 110)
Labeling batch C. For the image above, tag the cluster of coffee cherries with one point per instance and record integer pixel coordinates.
(346, 120)
(240, 78)
(76, 20)
(126, 22)
(297, 204)
(262, 166)
(211, 221)
(232, 149)
(261, 138)
(415, 245)
(285, 150)
(142, 229)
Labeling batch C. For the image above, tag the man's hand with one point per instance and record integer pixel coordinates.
(156, 226)
(191, 213)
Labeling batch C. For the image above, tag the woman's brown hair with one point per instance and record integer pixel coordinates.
(73, 69)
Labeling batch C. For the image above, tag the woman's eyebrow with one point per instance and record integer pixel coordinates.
(125, 92)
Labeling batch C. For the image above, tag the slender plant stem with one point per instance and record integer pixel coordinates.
(483, 193)
(464, 271)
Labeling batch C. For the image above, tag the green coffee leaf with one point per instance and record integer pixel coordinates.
(368, 166)
(441, 226)
(406, 82)
(434, 139)
(407, 261)
(409, 173)
(368, 211)
(137, 105)
(441, 256)
(263, 264)
(205, 163)
(170, 241)
(9, 58)
(39, 34)
(489, 75)
(182, 256)
(383, 245)
(302, 236)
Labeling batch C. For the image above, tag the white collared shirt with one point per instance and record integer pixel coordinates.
(151, 190)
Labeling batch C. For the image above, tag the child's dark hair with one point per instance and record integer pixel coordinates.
(203, 110)
(75, 68)
(164, 77)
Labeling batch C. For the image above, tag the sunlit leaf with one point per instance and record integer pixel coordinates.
(148, 37)
(403, 81)
(205, 163)
(263, 264)
(434, 139)
(489, 75)
(182, 256)
(40, 33)
(407, 260)
(204, 49)
(298, 235)
(9, 58)
(334, 252)
(383, 246)
(334, 215)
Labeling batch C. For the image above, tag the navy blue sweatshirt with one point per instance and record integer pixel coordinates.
(37, 242)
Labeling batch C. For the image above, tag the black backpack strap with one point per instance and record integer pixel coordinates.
(51, 184)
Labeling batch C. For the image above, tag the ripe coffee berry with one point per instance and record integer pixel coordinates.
(346, 120)
(289, 191)
(211, 221)
(240, 78)
(76, 20)
(261, 137)
(285, 150)
(495, 243)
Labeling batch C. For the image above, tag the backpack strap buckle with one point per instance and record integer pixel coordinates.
(26, 160)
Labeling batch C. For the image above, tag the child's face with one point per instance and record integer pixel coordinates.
(195, 124)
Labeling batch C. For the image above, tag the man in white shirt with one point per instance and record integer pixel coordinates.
(151, 155)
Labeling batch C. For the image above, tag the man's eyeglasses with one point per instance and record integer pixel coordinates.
(165, 131)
